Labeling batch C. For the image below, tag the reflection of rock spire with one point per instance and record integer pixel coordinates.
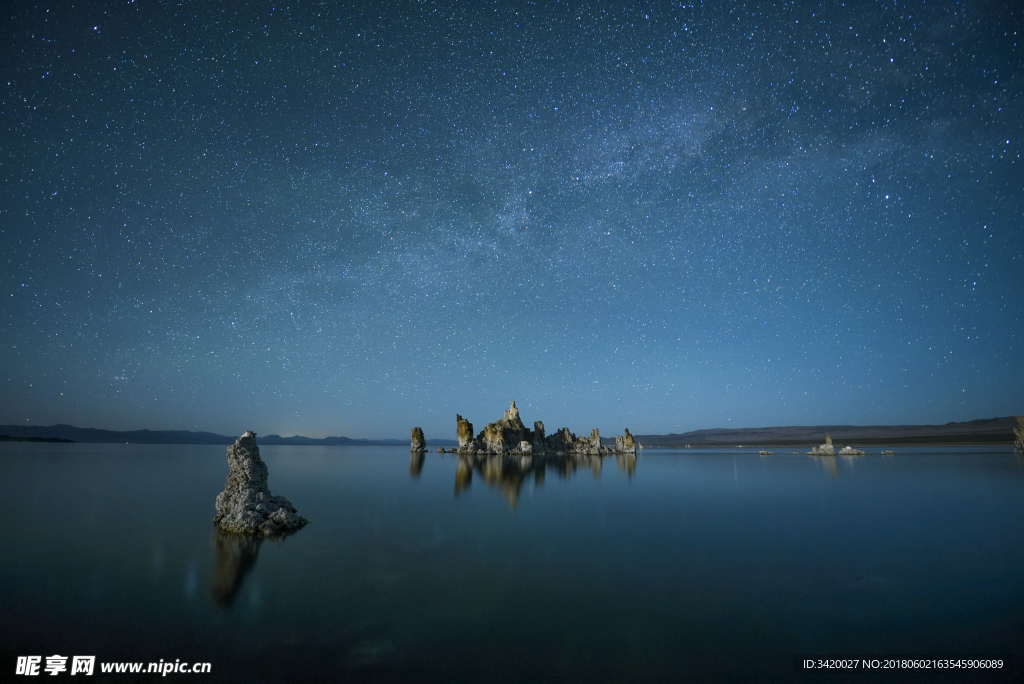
(416, 459)
(463, 476)
(509, 472)
(626, 462)
(235, 556)
(830, 463)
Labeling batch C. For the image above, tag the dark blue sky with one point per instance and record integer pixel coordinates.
(324, 220)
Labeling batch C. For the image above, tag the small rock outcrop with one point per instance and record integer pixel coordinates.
(1018, 432)
(418, 442)
(825, 449)
(246, 505)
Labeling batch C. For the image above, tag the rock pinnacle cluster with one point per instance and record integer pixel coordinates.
(506, 453)
(827, 449)
(510, 436)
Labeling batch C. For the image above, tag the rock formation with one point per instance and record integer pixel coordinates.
(246, 505)
(418, 442)
(506, 453)
(825, 449)
(1018, 432)
(626, 442)
(539, 444)
(510, 436)
(464, 430)
(506, 434)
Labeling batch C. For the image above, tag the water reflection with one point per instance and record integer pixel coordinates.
(828, 462)
(463, 476)
(235, 557)
(416, 459)
(507, 474)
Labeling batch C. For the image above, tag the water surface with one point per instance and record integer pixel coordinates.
(685, 565)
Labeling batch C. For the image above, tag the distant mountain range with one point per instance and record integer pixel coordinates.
(8, 438)
(984, 431)
(77, 434)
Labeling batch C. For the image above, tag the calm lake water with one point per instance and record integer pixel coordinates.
(687, 565)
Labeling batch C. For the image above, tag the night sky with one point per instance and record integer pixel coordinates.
(325, 220)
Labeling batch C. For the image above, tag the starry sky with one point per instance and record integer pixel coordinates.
(310, 218)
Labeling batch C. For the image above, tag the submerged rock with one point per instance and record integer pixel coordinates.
(418, 442)
(246, 505)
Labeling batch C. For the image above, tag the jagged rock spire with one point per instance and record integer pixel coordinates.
(246, 505)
